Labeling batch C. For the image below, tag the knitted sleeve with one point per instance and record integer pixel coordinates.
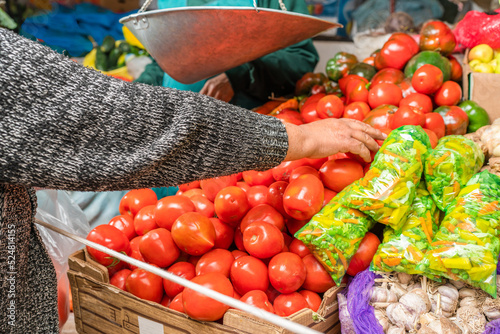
(69, 127)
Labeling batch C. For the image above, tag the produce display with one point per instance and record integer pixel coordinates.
(483, 58)
(449, 167)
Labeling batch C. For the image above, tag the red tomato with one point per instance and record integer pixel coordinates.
(272, 293)
(283, 170)
(193, 192)
(256, 178)
(449, 94)
(110, 237)
(165, 301)
(388, 75)
(257, 195)
(144, 220)
(201, 307)
(432, 137)
(303, 198)
(136, 199)
(380, 117)
(406, 87)
(237, 253)
(293, 225)
(369, 61)
(193, 233)
(169, 208)
(314, 98)
(191, 185)
(317, 278)
(249, 273)
(238, 239)
(182, 269)
(288, 304)
(384, 93)
(435, 122)
(420, 101)
(330, 106)
(124, 223)
(315, 163)
(330, 194)
(456, 69)
(258, 299)
(312, 298)
(176, 304)
(64, 302)
(338, 174)
(427, 79)
(203, 205)
(275, 196)
(135, 252)
(211, 187)
(263, 212)
(303, 170)
(290, 116)
(356, 110)
(435, 35)
(119, 278)
(158, 247)
(224, 234)
(407, 116)
(309, 113)
(287, 272)
(364, 255)
(299, 248)
(193, 259)
(455, 119)
(263, 240)
(231, 204)
(345, 81)
(145, 285)
(215, 261)
(243, 185)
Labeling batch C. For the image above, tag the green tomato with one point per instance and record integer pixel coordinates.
(478, 117)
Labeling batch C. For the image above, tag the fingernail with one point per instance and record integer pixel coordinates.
(384, 135)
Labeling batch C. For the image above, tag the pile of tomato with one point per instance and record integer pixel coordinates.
(233, 234)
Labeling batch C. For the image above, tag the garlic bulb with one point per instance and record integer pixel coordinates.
(399, 290)
(415, 301)
(382, 320)
(396, 330)
(466, 292)
(457, 284)
(424, 297)
(491, 308)
(471, 320)
(404, 278)
(448, 300)
(440, 326)
(469, 301)
(401, 316)
(382, 295)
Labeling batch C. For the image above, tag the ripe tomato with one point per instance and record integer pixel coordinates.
(406, 87)
(298, 247)
(290, 116)
(455, 120)
(435, 122)
(165, 301)
(145, 285)
(136, 199)
(288, 304)
(169, 208)
(387, 75)
(456, 69)
(238, 239)
(256, 178)
(144, 220)
(432, 137)
(303, 197)
(193, 192)
(135, 252)
(449, 94)
(212, 186)
(356, 110)
(158, 247)
(314, 98)
(338, 174)
(315, 163)
(283, 170)
(427, 79)
(330, 194)
(203, 205)
(215, 261)
(176, 304)
(309, 113)
(312, 298)
(287, 272)
(120, 278)
(380, 117)
(420, 101)
(124, 223)
(237, 253)
(263, 212)
(384, 93)
(303, 170)
(435, 35)
(201, 307)
(182, 269)
(330, 106)
(275, 196)
(345, 81)
(231, 204)
(317, 278)
(364, 255)
(258, 299)
(191, 185)
(407, 115)
(262, 240)
(224, 234)
(243, 185)
(249, 273)
(293, 225)
(193, 233)
(257, 195)
(111, 237)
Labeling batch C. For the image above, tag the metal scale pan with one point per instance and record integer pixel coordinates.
(195, 43)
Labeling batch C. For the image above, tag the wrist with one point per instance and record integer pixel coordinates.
(298, 146)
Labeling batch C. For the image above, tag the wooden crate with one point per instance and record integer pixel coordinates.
(100, 307)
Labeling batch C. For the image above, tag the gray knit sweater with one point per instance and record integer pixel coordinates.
(64, 126)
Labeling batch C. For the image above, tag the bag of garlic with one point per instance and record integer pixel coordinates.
(333, 236)
(404, 250)
(387, 190)
(449, 167)
(466, 246)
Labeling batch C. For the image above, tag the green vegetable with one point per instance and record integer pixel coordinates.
(113, 57)
(363, 70)
(478, 117)
(125, 47)
(108, 44)
(339, 65)
(428, 57)
(101, 60)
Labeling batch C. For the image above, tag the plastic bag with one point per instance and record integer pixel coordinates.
(450, 166)
(466, 246)
(478, 28)
(57, 209)
(333, 236)
(388, 189)
(404, 250)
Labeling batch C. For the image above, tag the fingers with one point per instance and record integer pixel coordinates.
(366, 139)
(371, 131)
(357, 147)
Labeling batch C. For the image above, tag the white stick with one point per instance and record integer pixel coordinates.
(260, 313)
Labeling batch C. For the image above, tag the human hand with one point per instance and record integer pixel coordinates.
(330, 136)
(219, 87)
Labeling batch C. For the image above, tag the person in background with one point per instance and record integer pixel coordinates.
(64, 126)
